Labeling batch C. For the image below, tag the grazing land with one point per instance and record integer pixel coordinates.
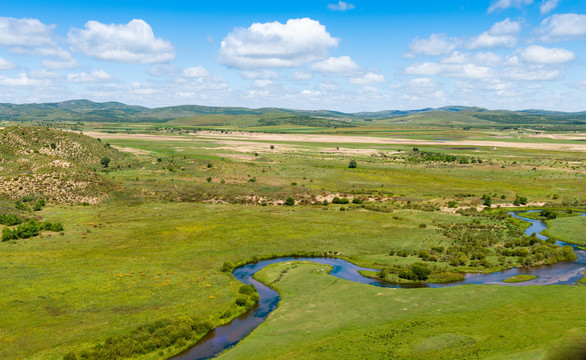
(157, 206)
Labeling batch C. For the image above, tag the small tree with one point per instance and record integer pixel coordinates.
(352, 164)
(290, 201)
(105, 161)
(487, 201)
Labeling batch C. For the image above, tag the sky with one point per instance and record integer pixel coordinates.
(349, 56)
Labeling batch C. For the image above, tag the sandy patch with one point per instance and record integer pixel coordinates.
(378, 140)
(246, 136)
(480, 207)
(132, 150)
(560, 136)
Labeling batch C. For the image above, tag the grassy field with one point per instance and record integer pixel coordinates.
(173, 206)
(565, 229)
(126, 266)
(322, 317)
(520, 278)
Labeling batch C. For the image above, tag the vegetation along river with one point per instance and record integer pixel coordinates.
(226, 336)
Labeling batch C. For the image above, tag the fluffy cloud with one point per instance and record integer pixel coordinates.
(547, 6)
(368, 78)
(24, 32)
(468, 71)
(23, 80)
(341, 6)
(532, 73)
(542, 55)
(560, 27)
(436, 44)
(505, 4)
(60, 64)
(45, 51)
(481, 58)
(6, 65)
(276, 45)
(195, 72)
(260, 83)
(301, 76)
(337, 66)
(263, 74)
(502, 34)
(85, 77)
(129, 43)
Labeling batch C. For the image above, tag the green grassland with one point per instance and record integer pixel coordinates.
(520, 278)
(165, 217)
(560, 229)
(322, 317)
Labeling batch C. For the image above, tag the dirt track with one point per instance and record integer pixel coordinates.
(241, 136)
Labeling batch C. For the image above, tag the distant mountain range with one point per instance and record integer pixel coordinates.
(86, 110)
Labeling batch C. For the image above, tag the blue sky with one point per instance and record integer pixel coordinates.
(347, 56)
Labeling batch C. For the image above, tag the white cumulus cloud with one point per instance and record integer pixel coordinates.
(548, 5)
(501, 34)
(337, 66)
(89, 77)
(60, 64)
(436, 44)
(542, 55)
(6, 65)
(134, 42)
(481, 58)
(195, 72)
(23, 80)
(532, 73)
(467, 71)
(263, 74)
(561, 27)
(368, 78)
(25, 32)
(341, 6)
(275, 45)
(505, 4)
(301, 76)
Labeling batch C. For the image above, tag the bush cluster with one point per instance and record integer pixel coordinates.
(29, 229)
(146, 339)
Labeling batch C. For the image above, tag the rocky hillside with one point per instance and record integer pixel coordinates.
(59, 166)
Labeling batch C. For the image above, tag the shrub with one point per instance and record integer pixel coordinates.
(420, 271)
(336, 200)
(520, 200)
(10, 219)
(105, 161)
(356, 201)
(290, 201)
(452, 204)
(7, 234)
(70, 356)
(353, 164)
(209, 165)
(548, 214)
(228, 266)
(344, 201)
(383, 273)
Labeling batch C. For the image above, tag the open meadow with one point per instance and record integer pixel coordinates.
(142, 266)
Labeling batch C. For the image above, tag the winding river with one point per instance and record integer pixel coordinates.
(226, 336)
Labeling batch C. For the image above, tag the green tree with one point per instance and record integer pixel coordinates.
(487, 201)
(353, 164)
(105, 161)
